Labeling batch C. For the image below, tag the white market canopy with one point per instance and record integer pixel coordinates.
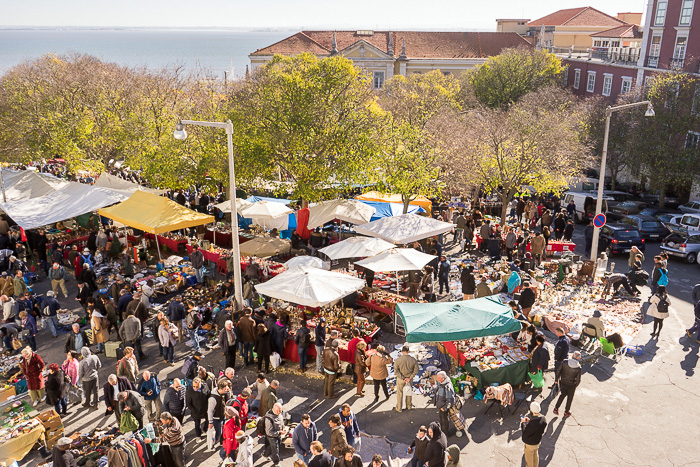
(310, 287)
(225, 206)
(106, 180)
(307, 262)
(264, 210)
(356, 247)
(403, 229)
(347, 210)
(263, 247)
(398, 259)
(69, 201)
(22, 185)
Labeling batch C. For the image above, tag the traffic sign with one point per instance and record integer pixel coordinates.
(599, 220)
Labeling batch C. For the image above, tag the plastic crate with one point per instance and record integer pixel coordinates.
(634, 350)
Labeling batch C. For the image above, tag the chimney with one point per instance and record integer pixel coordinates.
(403, 49)
(334, 45)
(390, 47)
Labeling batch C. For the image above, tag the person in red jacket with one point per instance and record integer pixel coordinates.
(352, 346)
(241, 405)
(231, 427)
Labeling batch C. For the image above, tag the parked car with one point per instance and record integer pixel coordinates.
(658, 212)
(649, 227)
(620, 238)
(669, 201)
(626, 208)
(617, 197)
(682, 245)
(693, 207)
(585, 205)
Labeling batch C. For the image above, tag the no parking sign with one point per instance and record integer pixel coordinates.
(599, 220)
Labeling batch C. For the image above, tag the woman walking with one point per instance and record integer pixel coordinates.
(57, 389)
(32, 365)
(658, 308)
(379, 372)
(360, 367)
(263, 347)
(70, 368)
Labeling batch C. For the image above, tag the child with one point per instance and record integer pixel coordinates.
(418, 447)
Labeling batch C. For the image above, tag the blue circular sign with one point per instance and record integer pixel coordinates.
(599, 220)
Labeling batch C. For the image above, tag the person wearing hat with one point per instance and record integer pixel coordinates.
(533, 426)
(244, 458)
(62, 455)
(231, 427)
(331, 365)
(568, 376)
(57, 275)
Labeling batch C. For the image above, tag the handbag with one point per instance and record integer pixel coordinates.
(537, 379)
(16, 343)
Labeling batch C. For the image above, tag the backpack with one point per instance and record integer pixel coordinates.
(46, 311)
(662, 306)
(193, 320)
(663, 280)
(260, 428)
(187, 366)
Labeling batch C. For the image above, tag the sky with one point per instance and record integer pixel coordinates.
(291, 14)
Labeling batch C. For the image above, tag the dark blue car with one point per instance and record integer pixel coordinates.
(620, 238)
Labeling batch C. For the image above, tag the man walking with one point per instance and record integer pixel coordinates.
(406, 368)
(193, 321)
(247, 327)
(50, 309)
(568, 376)
(696, 325)
(115, 384)
(227, 341)
(444, 400)
(176, 314)
(88, 374)
(588, 235)
(351, 427)
(196, 401)
(149, 388)
(273, 430)
(561, 349)
(197, 260)
(304, 434)
(174, 400)
(57, 275)
(444, 274)
(533, 427)
(130, 332)
(331, 364)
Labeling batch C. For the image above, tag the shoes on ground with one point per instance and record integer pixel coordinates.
(567, 414)
(556, 411)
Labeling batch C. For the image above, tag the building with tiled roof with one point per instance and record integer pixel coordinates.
(387, 53)
(572, 27)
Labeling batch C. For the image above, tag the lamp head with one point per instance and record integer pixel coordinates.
(650, 111)
(180, 132)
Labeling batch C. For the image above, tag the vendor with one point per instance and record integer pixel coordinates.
(61, 454)
(527, 298)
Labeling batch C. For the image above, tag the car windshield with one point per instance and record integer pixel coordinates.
(651, 225)
(691, 221)
(647, 212)
(627, 234)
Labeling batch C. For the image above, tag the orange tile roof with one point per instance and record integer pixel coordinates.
(419, 44)
(584, 16)
(628, 31)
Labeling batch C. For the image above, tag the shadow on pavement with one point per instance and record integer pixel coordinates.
(691, 358)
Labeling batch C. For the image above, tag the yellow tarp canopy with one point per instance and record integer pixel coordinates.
(421, 201)
(154, 214)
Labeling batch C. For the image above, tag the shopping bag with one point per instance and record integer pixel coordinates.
(275, 360)
(228, 462)
(210, 438)
(128, 423)
(555, 391)
(537, 379)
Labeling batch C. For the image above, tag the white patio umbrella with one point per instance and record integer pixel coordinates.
(306, 261)
(263, 247)
(403, 229)
(356, 247)
(265, 210)
(226, 205)
(398, 259)
(347, 210)
(310, 287)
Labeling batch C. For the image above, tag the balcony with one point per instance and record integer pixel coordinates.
(676, 64)
(652, 62)
(620, 55)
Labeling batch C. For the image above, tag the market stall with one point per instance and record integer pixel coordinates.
(265, 246)
(346, 210)
(22, 427)
(356, 247)
(404, 229)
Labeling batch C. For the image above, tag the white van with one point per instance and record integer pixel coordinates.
(585, 205)
(691, 223)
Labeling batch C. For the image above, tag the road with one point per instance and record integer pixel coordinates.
(633, 412)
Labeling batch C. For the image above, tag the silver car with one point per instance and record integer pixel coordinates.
(682, 245)
(693, 207)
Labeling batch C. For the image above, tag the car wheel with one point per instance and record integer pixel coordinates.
(691, 258)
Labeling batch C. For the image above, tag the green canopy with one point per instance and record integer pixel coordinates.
(454, 321)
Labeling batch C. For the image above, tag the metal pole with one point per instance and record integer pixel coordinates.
(234, 219)
(2, 183)
(157, 247)
(601, 183)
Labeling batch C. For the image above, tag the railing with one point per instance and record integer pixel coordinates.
(676, 63)
(652, 62)
(624, 55)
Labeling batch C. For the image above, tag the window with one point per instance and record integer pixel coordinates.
(692, 140)
(615, 44)
(660, 17)
(607, 84)
(596, 43)
(654, 51)
(626, 85)
(686, 13)
(378, 79)
(590, 84)
(577, 78)
(679, 51)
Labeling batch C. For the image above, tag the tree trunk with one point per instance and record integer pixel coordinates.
(662, 196)
(504, 209)
(406, 202)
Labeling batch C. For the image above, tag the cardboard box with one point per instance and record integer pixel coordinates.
(50, 419)
(55, 432)
(7, 393)
(51, 442)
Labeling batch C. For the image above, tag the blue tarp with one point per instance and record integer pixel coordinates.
(390, 209)
(254, 199)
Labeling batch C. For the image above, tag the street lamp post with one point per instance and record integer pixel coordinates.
(601, 179)
(181, 134)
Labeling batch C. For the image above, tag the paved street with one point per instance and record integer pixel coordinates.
(631, 413)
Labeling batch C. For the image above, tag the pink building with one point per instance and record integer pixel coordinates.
(668, 42)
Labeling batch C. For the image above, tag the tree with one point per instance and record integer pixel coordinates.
(667, 152)
(537, 142)
(407, 164)
(502, 80)
(309, 121)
